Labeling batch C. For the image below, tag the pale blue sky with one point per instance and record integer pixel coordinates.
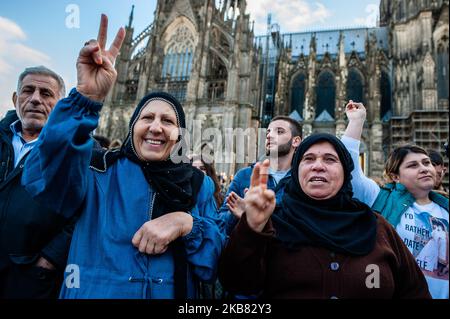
(36, 32)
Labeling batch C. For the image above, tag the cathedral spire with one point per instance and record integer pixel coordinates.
(312, 44)
(341, 49)
(130, 22)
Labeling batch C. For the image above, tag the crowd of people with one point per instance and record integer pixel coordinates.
(140, 219)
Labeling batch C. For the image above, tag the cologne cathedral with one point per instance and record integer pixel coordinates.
(206, 54)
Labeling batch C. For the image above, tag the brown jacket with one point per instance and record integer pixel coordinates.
(254, 263)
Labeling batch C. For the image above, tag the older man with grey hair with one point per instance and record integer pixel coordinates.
(34, 241)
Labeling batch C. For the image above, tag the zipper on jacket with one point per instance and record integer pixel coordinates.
(146, 257)
(6, 167)
(152, 202)
(8, 162)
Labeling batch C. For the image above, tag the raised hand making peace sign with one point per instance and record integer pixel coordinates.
(259, 201)
(95, 65)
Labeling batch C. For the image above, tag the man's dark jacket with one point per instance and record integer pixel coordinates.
(28, 231)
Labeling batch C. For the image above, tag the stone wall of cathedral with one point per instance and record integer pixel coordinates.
(418, 33)
(202, 52)
(319, 72)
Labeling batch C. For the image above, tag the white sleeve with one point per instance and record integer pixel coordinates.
(364, 189)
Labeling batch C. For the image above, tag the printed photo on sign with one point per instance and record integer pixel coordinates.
(433, 258)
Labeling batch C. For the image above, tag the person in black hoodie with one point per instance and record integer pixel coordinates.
(34, 241)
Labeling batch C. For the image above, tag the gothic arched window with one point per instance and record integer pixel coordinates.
(298, 93)
(355, 86)
(442, 70)
(325, 94)
(179, 55)
(386, 97)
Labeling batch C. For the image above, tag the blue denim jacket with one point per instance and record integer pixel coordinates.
(114, 204)
(394, 199)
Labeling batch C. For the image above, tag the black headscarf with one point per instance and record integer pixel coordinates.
(176, 184)
(341, 223)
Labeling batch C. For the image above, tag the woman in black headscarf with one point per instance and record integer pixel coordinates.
(148, 225)
(320, 243)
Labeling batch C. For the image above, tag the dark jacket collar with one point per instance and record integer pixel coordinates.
(9, 118)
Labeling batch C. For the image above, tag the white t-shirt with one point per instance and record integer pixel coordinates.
(424, 230)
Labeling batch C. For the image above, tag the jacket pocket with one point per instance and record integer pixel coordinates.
(27, 281)
(19, 259)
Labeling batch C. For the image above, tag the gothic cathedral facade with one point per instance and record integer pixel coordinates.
(206, 54)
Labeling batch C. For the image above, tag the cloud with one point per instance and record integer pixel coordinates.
(12, 30)
(15, 56)
(291, 15)
(359, 21)
(372, 16)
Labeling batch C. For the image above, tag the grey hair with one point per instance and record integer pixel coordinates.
(42, 70)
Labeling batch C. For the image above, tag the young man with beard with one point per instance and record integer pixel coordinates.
(283, 136)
